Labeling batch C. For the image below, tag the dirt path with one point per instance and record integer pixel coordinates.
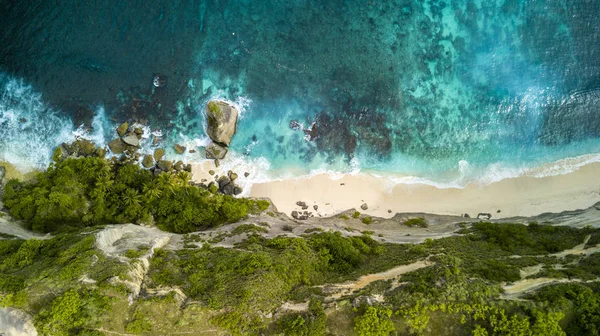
(520, 287)
(514, 290)
(346, 288)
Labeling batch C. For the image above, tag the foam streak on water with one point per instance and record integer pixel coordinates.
(29, 130)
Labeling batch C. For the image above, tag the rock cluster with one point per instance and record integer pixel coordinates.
(222, 122)
(79, 148)
(303, 215)
(126, 146)
(224, 184)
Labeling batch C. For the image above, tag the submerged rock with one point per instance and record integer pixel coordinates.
(159, 80)
(222, 121)
(215, 151)
(295, 125)
(312, 132)
(179, 149)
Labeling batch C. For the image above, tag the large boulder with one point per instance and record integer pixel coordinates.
(2, 173)
(222, 121)
(215, 151)
(117, 146)
(132, 140)
(158, 154)
(148, 161)
(165, 165)
(122, 129)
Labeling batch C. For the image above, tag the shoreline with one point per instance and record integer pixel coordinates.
(518, 196)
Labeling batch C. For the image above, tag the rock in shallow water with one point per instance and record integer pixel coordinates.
(117, 146)
(222, 121)
(122, 129)
(215, 151)
(132, 140)
(179, 149)
(158, 154)
(165, 165)
(147, 162)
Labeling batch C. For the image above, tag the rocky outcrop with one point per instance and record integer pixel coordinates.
(122, 129)
(2, 173)
(299, 215)
(158, 154)
(132, 140)
(148, 161)
(215, 151)
(227, 186)
(117, 146)
(165, 165)
(222, 121)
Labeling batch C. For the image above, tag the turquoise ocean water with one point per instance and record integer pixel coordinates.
(445, 91)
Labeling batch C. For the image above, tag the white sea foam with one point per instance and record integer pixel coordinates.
(466, 174)
(29, 130)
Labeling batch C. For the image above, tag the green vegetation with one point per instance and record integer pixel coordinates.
(356, 214)
(71, 288)
(311, 323)
(91, 190)
(419, 222)
(367, 220)
(344, 217)
(375, 321)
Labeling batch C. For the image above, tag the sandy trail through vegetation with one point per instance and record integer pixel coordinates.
(347, 288)
(517, 288)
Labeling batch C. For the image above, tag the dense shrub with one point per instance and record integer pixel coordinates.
(91, 190)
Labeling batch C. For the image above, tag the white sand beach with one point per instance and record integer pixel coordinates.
(520, 196)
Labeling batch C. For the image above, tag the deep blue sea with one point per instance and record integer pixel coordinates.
(447, 91)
